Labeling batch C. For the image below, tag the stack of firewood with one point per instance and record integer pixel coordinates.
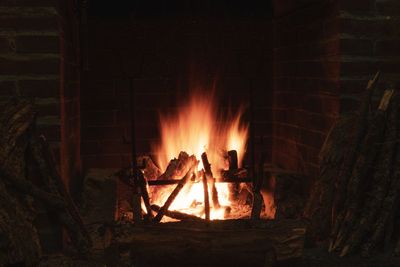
(355, 202)
(24, 155)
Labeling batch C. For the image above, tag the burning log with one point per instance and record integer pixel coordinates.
(174, 193)
(233, 168)
(209, 175)
(177, 215)
(177, 168)
(206, 198)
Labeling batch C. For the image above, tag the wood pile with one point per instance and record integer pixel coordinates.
(21, 151)
(355, 202)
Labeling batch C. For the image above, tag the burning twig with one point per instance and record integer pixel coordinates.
(209, 175)
(177, 215)
(174, 193)
(206, 198)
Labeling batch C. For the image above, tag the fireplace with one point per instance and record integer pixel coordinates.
(199, 133)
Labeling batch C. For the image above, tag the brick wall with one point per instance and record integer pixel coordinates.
(324, 54)
(370, 37)
(165, 58)
(306, 81)
(34, 63)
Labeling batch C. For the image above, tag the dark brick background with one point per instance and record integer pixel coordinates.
(165, 59)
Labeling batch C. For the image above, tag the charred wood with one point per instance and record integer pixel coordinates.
(209, 175)
(177, 215)
(174, 193)
(206, 198)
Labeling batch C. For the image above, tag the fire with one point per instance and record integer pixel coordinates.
(195, 129)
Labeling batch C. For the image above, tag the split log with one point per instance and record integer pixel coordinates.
(219, 243)
(19, 240)
(206, 198)
(233, 169)
(351, 155)
(209, 175)
(68, 215)
(177, 215)
(318, 209)
(380, 181)
(174, 193)
(358, 182)
(177, 168)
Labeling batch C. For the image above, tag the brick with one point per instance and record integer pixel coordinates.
(103, 133)
(369, 28)
(28, 65)
(357, 6)
(356, 47)
(98, 118)
(29, 24)
(7, 88)
(39, 88)
(103, 161)
(29, 3)
(388, 48)
(388, 7)
(37, 44)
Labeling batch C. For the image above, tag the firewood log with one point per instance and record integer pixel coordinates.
(389, 203)
(177, 168)
(177, 215)
(381, 178)
(351, 155)
(174, 193)
(318, 209)
(68, 215)
(206, 197)
(358, 182)
(209, 175)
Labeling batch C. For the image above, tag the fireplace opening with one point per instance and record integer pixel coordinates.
(199, 133)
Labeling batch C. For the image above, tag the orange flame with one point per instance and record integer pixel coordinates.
(196, 129)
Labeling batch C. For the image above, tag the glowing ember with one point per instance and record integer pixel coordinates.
(196, 128)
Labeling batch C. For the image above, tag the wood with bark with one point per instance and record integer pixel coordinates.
(209, 175)
(358, 182)
(19, 240)
(177, 215)
(351, 155)
(389, 203)
(318, 209)
(174, 193)
(68, 215)
(219, 243)
(380, 182)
